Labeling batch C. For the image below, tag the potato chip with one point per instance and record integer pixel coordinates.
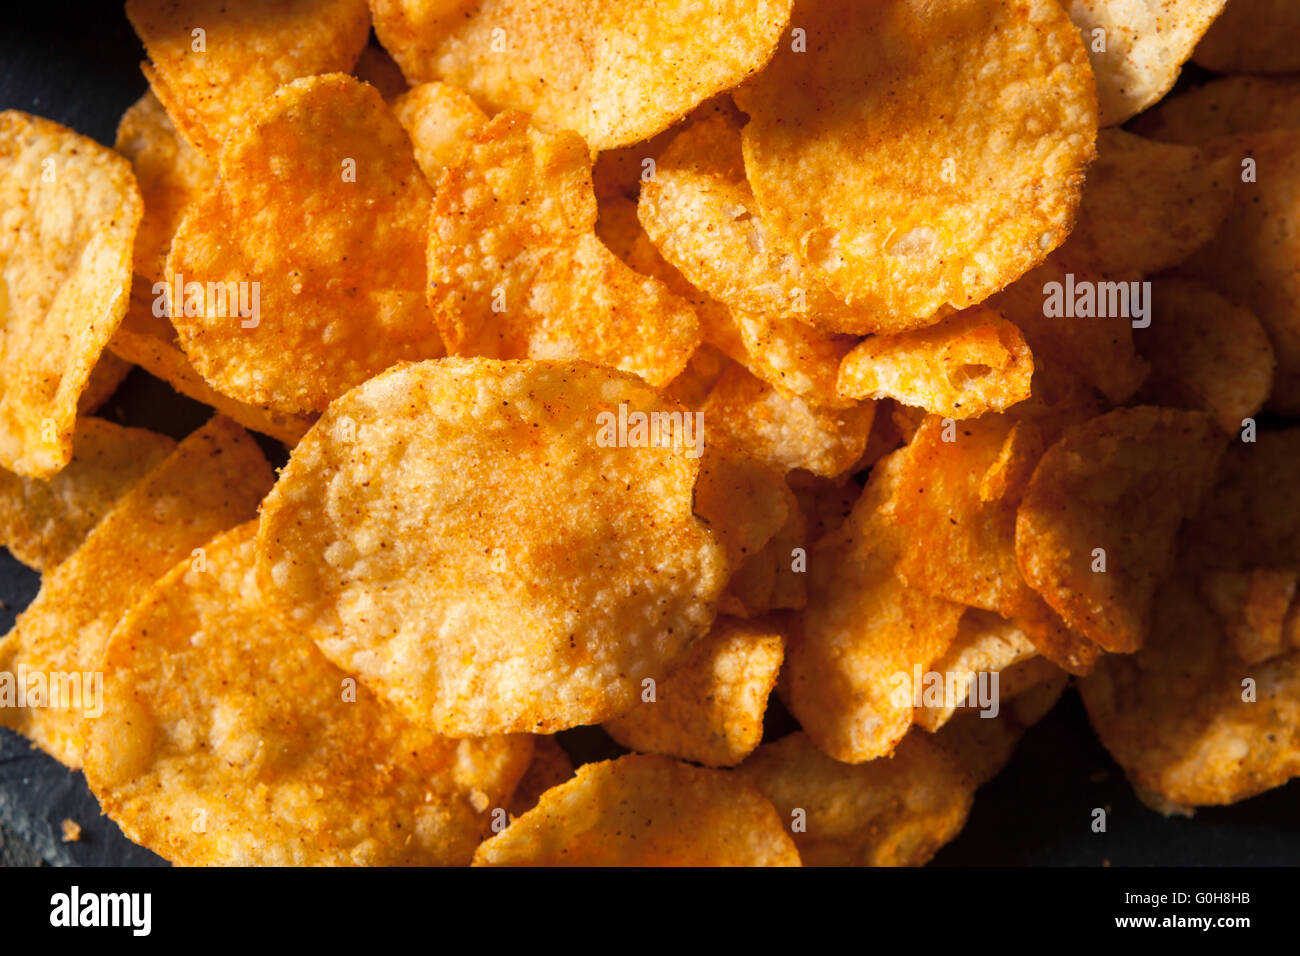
(1252, 258)
(1252, 609)
(616, 72)
(211, 62)
(744, 501)
(772, 578)
(1138, 47)
(923, 155)
(1252, 36)
(271, 769)
(825, 504)
(692, 387)
(1206, 353)
(643, 810)
(534, 282)
(1095, 531)
(710, 709)
(1181, 720)
(896, 811)
(863, 632)
(970, 363)
(376, 67)
(42, 522)
(171, 174)
(70, 209)
(1223, 107)
(496, 546)
(550, 767)
(1148, 205)
(211, 482)
(108, 373)
(440, 119)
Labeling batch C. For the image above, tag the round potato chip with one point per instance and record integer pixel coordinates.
(440, 119)
(616, 72)
(1252, 36)
(228, 739)
(920, 156)
(496, 546)
(645, 811)
(317, 227)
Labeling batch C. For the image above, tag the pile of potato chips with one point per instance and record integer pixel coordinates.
(638, 362)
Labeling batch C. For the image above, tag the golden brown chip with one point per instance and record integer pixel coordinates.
(105, 377)
(376, 67)
(317, 225)
(743, 501)
(211, 62)
(922, 155)
(440, 119)
(211, 482)
(1252, 36)
(516, 272)
(773, 578)
(825, 504)
(702, 372)
(1138, 47)
(171, 173)
(615, 72)
(895, 811)
(1187, 719)
(1223, 107)
(1095, 531)
(710, 710)
(645, 811)
(1252, 609)
(550, 767)
(496, 546)
(970, 363)
(70, 209)
(1205, 353)
(206, 769)
(42, 522)
(1148, 205)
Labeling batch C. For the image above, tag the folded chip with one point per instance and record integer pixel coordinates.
(1223, 107)
(1252, 36)
(643, 810)
(211, 62)
(70, 209)
(43, 521)
(212, 481)
(616, 72)
(440, 119)
(926, 154)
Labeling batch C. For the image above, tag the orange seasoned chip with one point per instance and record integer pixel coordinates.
(1252, 36)
(710, 710)
(970, 363)
(550, 767)
(70, 209)
(268, 769)
(645, 810)
(1138, 47)
(774, 578)
(615, 72)
(496, 546)
(1223, 107)
(440, 119)
(316, 228)
(171, 174)
(211, 482)
(1252, 608)
(1095, 531)
(211, 62)
(376, 67)
(742, 499)
(895, 811)
(921, 155)
(515, 270)
(43, 521)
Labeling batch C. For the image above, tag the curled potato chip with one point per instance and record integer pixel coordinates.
(1252, 36)
(1206, 353)
(212, 481)
(317, 222)
(42, 522)
(1138, 47)
(1252, 258)
(376, 67)
(710, 709)
(550, 767)
(862, 632)
(1175, 715)
(70, 209)
(440, 119)
(212, 61)
(922, 155)
(970, 363)
(1148, 205)
(1095, 531)
(615, 72)
(1252, 608)
(515, 271)
(644, 810)
(496, 546)
(270, 769)
(895, 811)
(171, 174)
(1223, 107)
